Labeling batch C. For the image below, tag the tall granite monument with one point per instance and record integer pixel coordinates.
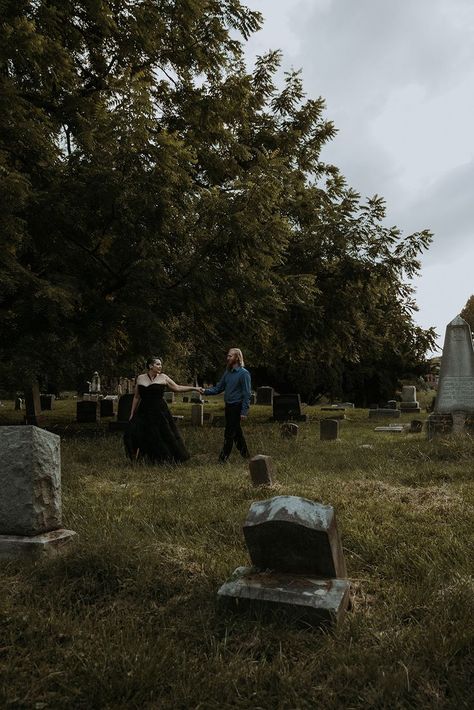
(455, 395)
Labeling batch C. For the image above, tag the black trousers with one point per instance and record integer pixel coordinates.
(233, 432)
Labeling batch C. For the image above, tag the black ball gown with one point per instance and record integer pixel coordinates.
(152, 434)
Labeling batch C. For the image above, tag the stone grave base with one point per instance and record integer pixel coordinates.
(22, 547)
(315, 601)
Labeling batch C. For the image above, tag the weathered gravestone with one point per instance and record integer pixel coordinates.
(288, 430)
(265, 396)
(106, 407)
(123, 413)
(197, 412)
(207, 418)
(298, 563)
(185, 399)
(391, 429)
(409, 402)
(87, 412)
(329, 429)
(455, 394)
(30, 500)
(287, 407)
(33, 414)
(46, 402)
(261, 470)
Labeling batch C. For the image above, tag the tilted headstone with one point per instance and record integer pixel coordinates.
(287, 407)
(329, 429)
(298, 561)
(288, 430)
(30, 482)
(261, 470)
(197, 412)
(293, 534)
(87, 412)
(265, 396)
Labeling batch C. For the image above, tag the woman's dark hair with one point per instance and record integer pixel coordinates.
(151, 360)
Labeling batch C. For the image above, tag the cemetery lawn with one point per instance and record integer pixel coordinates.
(129, 617)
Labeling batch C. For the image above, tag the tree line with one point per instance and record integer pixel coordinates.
(157, 196)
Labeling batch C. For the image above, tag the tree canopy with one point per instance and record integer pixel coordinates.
(159, 197)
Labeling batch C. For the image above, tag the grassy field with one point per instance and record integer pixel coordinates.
(129, 618)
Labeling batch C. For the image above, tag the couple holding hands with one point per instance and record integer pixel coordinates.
(152, 433)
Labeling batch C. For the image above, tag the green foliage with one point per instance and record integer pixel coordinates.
(158, 197)
(468, 312)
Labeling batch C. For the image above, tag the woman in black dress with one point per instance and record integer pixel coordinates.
(152, 434)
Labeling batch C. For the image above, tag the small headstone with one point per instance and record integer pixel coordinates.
(185, 399)
(287, 407)
(265, 396)
(288, 430)
(123, 413)
(197, 411)
(169, 397)
(30, 503)
(384, 412)
(391, 404)
(390, 429)
(415, 426)
(87, 412)
(33, 414)
(106, 407)
(261, 470)
(207, 418)
(196, 399)
(295, 535)
(329, 429)
(297, 555)
(408, 393)
(46, 402)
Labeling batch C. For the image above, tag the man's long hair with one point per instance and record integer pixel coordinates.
(240, 357)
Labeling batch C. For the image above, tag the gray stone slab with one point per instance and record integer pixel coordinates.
(87, 412)
(381, 412)
(329, 429)
(30, 481)
(408, 393)
(265, 395)
(390, 429)
(22, 547)
(295, 535)
(169, 397)
(318, 601)
(197, 412)
(106, 407)
(261, 470)
(456, 378)
(287, 407)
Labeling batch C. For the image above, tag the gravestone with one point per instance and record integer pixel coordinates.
(391, 404)
(197, 412)
(87, 412)
(123, 413)
(185, 399)
(46, 402)
(169, 397)
(288, 430)
(218, 421)
(106, 407)
(261, 470)
(455, 394)
(416, 425)
(287, 407)
(384, 412)
(409, 403)
(329, 429)
(265, 396)
(95, 384)
(253, 398)
(207, 418)
(196, 399)
(298, 562)
(391, 429)
(30, 503)
(33, 414)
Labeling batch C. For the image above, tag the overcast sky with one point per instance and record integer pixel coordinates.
(398, 80)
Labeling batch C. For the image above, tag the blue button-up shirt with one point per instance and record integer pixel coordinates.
(235, 384)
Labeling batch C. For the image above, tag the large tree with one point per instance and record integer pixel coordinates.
(157, 196)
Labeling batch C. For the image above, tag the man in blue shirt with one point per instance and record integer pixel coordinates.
(235, 383)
